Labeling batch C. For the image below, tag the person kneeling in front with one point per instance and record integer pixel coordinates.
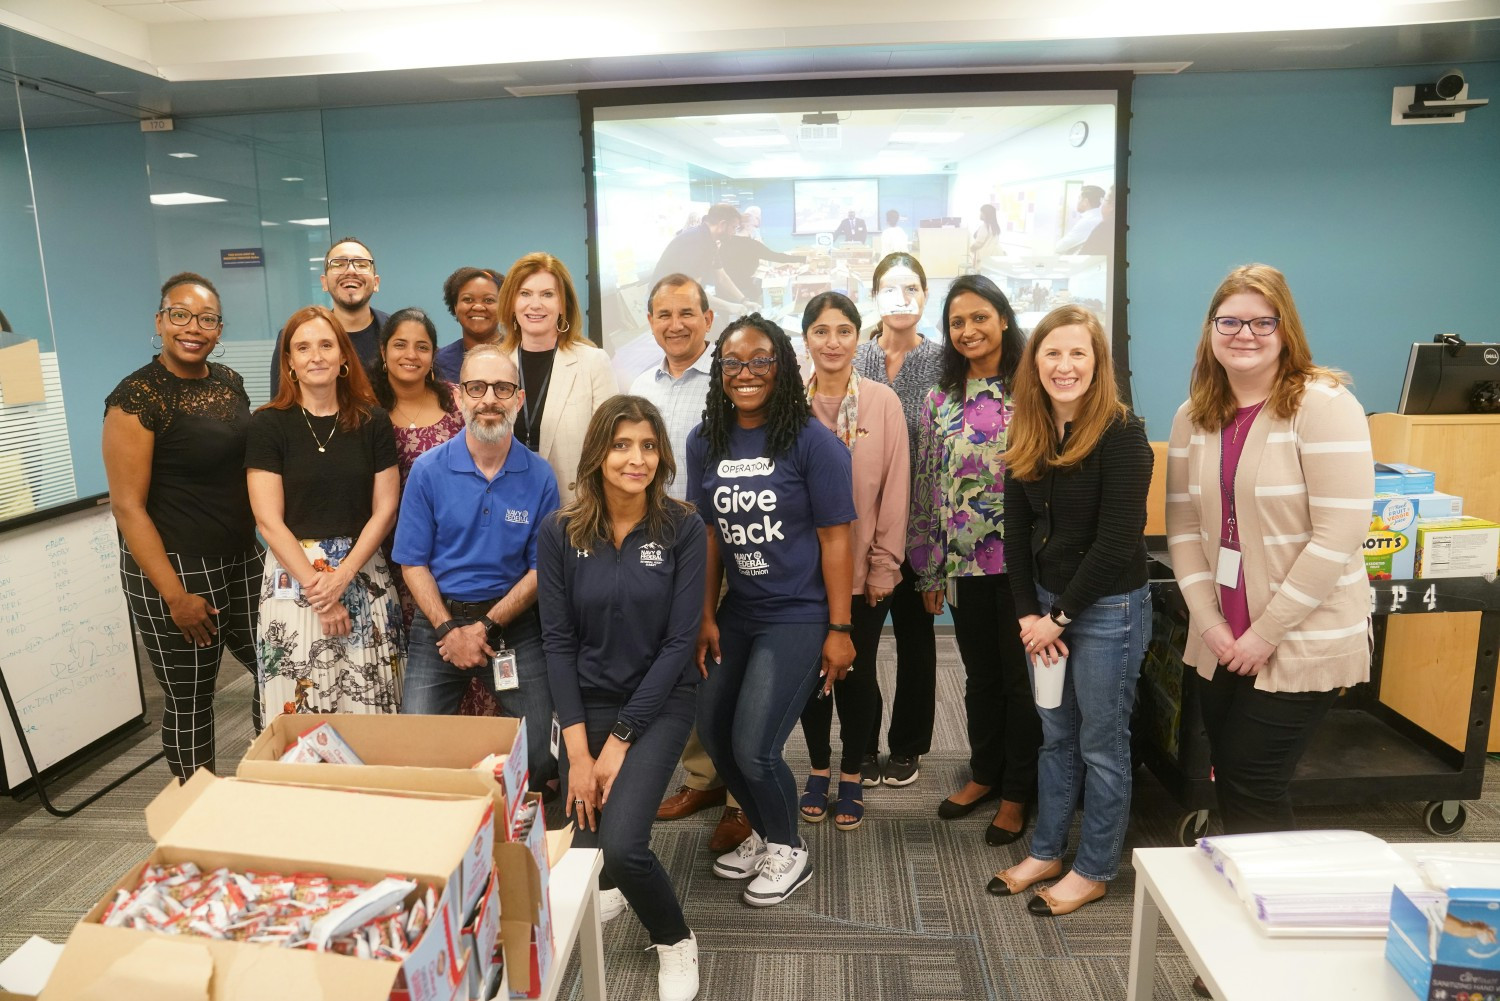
(621, 576)
(467, 539)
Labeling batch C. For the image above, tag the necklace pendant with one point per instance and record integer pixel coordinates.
(322, 449)
(412, 426)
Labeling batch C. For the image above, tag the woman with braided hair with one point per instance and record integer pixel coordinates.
(775, 489)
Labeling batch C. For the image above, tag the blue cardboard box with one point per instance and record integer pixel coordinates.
(1448, 957)
(1414, 479)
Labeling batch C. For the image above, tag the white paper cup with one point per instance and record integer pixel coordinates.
(1047, 681)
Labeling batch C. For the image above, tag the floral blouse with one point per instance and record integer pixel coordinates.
(412, 442)
(957, 499)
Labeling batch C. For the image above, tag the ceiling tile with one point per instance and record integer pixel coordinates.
(239, 10)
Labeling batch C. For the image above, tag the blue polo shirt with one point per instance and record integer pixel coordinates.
(477, 536)
(623, 621)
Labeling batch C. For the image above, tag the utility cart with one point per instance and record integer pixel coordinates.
(1363, 752)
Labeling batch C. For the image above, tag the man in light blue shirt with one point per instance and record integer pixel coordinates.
(680, 320)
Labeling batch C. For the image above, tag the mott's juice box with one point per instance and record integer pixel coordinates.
(1390, 548)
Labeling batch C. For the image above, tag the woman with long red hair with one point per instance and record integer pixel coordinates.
(324, 486)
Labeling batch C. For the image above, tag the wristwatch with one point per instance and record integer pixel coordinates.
(1061, 617)
(446, 628)
(840, 627)
(624, 731)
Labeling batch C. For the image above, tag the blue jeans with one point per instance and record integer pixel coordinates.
(747, 708)
(435, 687)
(1086, 740)
(624, 824)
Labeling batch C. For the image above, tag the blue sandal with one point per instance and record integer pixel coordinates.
(851, 804)
(815, 797)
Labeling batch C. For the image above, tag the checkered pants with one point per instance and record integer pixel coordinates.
(189, 673)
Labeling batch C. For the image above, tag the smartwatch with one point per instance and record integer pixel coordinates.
(624, 731)
(1061, 617)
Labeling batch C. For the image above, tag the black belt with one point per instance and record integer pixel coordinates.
(471, 610)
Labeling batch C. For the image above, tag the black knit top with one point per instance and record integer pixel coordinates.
(1080, 532)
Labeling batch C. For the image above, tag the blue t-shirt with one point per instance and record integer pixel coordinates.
(477, 536)
(767, 511)
(449, 360)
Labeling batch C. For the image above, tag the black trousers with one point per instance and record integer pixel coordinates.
(857, 696)
(1005, 732)
(910, 734)
(1255, 740)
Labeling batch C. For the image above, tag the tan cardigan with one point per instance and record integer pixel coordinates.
(581, 380)
(1303, 500)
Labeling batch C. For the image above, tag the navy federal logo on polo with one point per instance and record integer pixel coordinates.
(515, 517)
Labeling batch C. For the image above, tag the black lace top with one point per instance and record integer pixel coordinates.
(197, 498)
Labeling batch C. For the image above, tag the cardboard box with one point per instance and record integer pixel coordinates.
(1390, 547)
(254, 826)
(1437, 505)
(1448, 958)
(434, 754)
(1413, 479)
(1457, 547)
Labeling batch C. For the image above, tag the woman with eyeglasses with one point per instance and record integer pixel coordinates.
(1273, 449)
(956, 545)
(565, 377)
(472, 296)
(775, 488)
(866, 417)
(174, 456)
(324, 483)
(900, 356)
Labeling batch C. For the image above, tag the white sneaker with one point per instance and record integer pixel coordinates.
(677, 980)
(785, 868)
(744, 861)
(611, 904)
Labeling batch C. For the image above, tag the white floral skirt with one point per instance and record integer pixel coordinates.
(302, 670)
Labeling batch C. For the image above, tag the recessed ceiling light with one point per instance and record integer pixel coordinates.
(184, 156)
(751, 142)
(308, 222)
(182, 198)
(926, 137)
(291, 178)
(267, 222)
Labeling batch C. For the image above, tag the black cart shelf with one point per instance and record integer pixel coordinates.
(1365, 751)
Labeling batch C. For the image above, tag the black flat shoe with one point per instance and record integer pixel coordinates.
(996, 836)
(949, 810)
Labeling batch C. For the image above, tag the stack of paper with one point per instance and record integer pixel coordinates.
(1316, 883)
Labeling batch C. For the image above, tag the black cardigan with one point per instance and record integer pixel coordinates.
(1080, 532)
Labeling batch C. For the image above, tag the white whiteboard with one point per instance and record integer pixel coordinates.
(65, 641)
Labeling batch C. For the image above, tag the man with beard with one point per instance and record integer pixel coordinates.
(466, 540)
(350, 279)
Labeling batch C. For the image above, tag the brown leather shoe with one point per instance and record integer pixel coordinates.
(686, 802)
(733, 828)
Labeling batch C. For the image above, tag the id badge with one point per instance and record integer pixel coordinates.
(504, 666)
(1228, 574)
(287, 587)
(555, 741)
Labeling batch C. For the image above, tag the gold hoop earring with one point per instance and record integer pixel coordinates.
(292, 376)
(344, 371)
(563, 326)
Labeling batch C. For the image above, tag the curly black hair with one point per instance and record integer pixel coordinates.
(787, 412)
(954, 371)
(455, 282)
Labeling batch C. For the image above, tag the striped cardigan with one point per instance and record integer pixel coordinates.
(1303, 501)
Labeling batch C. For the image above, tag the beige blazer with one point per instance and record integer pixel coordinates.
(581, 380)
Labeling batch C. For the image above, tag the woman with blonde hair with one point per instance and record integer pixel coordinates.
(322, 472)
(620, 631)
(1272, 448)
(564, 376)
(1078, 467)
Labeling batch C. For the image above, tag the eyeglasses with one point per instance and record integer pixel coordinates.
(1261, 326)
(757, 366)
(475, 389)
(362, 265)
(179, 317)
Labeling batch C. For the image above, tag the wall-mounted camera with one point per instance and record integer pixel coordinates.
(1444, 101)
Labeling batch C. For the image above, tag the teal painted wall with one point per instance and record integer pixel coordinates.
(432, 187)
(1386, 234)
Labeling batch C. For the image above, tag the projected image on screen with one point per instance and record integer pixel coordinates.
(753, 200)
(823, 206)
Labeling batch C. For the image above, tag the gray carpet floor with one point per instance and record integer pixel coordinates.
(896, 911)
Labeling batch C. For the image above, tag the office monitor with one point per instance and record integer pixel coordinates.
(1451, 379)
